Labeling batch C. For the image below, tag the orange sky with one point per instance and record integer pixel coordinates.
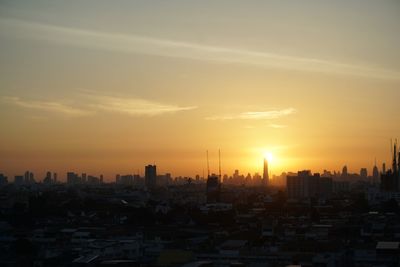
(100, 87)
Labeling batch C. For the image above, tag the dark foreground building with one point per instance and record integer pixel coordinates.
(390, 180)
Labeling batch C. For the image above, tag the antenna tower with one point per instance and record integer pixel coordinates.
(208, 166)
(219, 158)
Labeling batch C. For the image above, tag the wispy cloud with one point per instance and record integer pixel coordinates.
(48, 106)
(256, 115)
(99, 103)
(135, 106)
(132, 43)
(278, 126)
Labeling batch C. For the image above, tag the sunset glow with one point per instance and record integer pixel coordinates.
(108, 88)
(204, 133)
(269, 157)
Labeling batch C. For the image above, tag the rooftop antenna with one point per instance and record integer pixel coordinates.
(219, 158)
(391, 146)
(208, 166)
(394, 156)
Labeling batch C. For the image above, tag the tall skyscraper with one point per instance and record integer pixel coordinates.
(375, 174)
(265, 174)
(390, 180)
(150, 176)
(344, 171)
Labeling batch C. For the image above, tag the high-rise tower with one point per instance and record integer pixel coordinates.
(394, 166)
(390, 180)
(150, 178)
(265, 174)
(344, 171)
(375, 174)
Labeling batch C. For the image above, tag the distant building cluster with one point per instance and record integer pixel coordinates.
(27, 178)
(50, 178)
(390, 181)
(379, 186)
(256, 180)
(150, 181)
(74, 179)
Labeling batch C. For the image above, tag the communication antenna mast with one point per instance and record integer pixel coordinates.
(219, 158)
(391, 146)
(208, 166)
(394, 157)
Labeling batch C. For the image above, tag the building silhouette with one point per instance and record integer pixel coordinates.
(344, 171)
(126, 180)
(375, 174)
(213, 186)
(390, 180)
(150, 178)
(304, 185)
(364, 173)
(265, 173)
(213, 189)
(73, 178)
(47, 179)
(3, 179)
(29, 177)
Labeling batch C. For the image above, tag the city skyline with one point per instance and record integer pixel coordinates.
(206, 133)
(103, 88)
(266, 176)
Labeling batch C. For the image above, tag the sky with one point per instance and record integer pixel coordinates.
(107, 87)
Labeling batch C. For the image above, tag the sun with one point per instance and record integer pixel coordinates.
(269, 156)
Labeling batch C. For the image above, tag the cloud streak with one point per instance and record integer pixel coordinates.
(256, 115)
(135, 106)
(278, 126)
(97, 103)
(47, 106)
(131, 43)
